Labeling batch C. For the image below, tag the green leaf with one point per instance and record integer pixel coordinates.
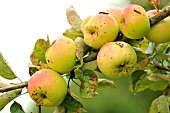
(32, 70)
(160, 105)
(89, 83)
(92, 55)
(92, 65)
(142, 84)
(142, 43)
(73, 18)
(16, 108)
(8, 97)
(5, 69)
(142, 58)
(135, 77)
(106, 83)
(159, 75)
(38, 53)
(163, 48)
(72, 33)
(72, 102)
(162, 56)
(152, 80)
(78, 73)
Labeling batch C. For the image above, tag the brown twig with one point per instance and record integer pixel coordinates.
(161, 15)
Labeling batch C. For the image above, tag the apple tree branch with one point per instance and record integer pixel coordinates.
(13, 87)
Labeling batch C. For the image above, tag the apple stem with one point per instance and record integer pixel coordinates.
(161, 15)
(13, 87)
(38, 108)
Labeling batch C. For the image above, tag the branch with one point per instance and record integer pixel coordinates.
(13, 87)
(161, 15)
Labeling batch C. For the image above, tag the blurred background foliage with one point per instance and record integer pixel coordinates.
(118, 100)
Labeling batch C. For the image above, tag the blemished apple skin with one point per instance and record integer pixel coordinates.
(134, 22)
(100, 29)
(115, 12)
(116, 59)
(159, 32)
(61, 55)
(47, 88)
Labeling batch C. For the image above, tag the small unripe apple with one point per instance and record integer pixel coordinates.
(100, 29)
(84, 22)
(116, 59)
(61, 55)
(115, 12)
(159, 32)
(47, 88)
(134, 22)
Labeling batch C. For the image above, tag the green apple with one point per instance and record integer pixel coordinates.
(84, 22)
(100, 29)
(159, 32)
(61, 55)
(47, 88)
(134, 22)
(115, 12)
(116, 59)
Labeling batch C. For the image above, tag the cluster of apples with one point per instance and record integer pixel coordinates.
(47, 87)
(117, 58)
(114, 59)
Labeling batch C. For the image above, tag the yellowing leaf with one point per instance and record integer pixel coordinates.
(89, 83)
(160, 105)
(38, 53)
(106, 83)
(73, 18)
(72, 33)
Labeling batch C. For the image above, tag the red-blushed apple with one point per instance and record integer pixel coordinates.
(159, 32)
(47, 88)
(116, 59)
(100, 29)
(115, 12)
(61, 55)
(84, 22)
(134, 22)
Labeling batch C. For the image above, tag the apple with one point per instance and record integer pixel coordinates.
(134, 22)
(47, 88)
(115, 12)
(152, 13)
(84, 22)
(116, 59)
(159, 32)
(100, 29)
(61, 55)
